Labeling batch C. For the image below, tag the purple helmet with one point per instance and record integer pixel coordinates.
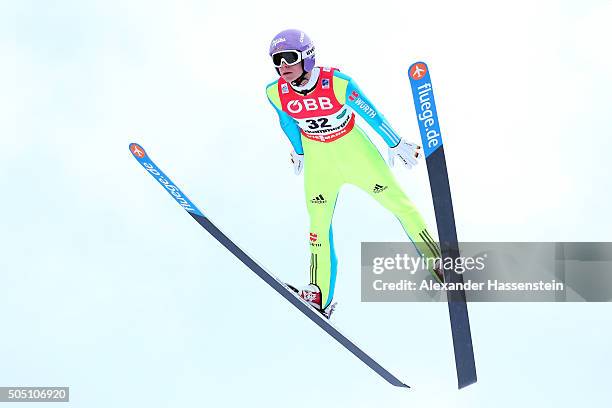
(296, 40)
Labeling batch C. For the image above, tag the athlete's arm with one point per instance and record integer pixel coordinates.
(287, 123)
(355, 98)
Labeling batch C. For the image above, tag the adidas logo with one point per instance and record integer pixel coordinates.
(319, 199)
(379, 189)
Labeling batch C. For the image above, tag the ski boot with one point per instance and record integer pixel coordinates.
(312, 295)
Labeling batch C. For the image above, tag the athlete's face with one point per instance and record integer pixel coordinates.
(290, 72)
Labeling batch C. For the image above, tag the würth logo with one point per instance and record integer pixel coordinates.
(379, 189)
(354, 95)
(319, 199)
(313, 240)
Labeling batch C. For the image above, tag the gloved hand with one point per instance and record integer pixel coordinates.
(407, 152)
(298, 162)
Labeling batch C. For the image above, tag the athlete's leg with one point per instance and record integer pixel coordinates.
(322, 181)
(320, 201)
(370, 172)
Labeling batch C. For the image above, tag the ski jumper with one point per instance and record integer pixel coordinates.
(321, 126)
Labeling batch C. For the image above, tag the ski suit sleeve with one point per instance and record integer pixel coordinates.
(287, 123)
(347, 92)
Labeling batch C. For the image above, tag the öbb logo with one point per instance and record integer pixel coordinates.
(310, 104)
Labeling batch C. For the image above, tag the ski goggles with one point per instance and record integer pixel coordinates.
(290, 57)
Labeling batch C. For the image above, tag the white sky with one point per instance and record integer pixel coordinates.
(106, 284)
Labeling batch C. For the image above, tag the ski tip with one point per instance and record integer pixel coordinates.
(137, 151)
(418, 70)
(418, 62)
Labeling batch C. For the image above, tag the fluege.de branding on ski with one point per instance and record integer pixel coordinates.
(426, 116)
(172, 189)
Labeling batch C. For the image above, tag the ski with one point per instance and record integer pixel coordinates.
(139, 154)
(429, 126)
